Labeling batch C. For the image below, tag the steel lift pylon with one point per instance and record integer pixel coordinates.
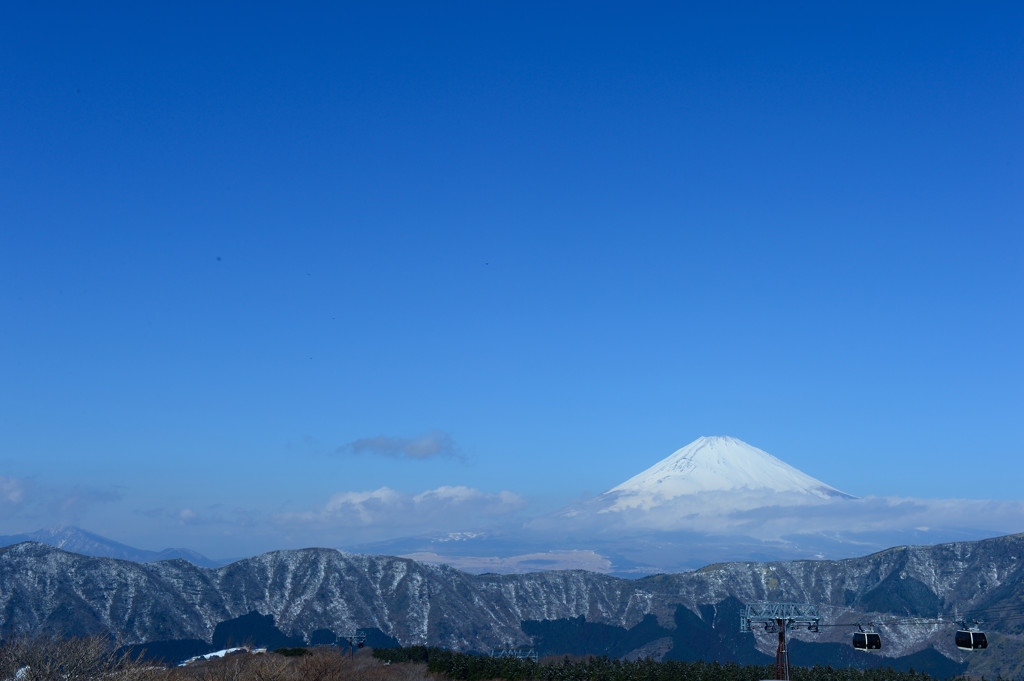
(780, 617)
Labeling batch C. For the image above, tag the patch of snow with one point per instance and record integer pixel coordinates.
(221, 653)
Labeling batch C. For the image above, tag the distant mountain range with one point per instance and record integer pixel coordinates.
(716, 499)
(913, 596)
(77, 540)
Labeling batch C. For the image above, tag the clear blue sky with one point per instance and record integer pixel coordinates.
(255, 257)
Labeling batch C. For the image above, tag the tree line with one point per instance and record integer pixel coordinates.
(98, 658)
(470, 667)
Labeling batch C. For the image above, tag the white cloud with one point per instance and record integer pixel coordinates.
(443, 508)
(52, 505)
(772, 519)
(365, 508)
(13, 491)
(459, 495)
(880, 516)
(205, 515)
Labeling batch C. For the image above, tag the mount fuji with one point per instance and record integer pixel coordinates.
(740, 477)
(716, 499)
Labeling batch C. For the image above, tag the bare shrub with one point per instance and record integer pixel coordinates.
(96, 659)
(270, 667)
(325, 664)
(88, 658)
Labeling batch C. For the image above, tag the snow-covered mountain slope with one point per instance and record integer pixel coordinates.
(720, 465)
(46, 589)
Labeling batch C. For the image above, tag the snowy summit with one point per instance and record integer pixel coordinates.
(718, 465)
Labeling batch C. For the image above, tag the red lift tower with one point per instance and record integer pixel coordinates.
(780, 617)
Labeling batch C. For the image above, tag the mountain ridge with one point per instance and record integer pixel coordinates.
(76, 540)
(43, 588)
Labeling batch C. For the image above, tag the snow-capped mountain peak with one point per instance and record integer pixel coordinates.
(717, 464)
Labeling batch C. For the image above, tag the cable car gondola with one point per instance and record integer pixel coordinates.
(971, 639)
(867, 640)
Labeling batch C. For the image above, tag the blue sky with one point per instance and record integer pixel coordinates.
(254, 259)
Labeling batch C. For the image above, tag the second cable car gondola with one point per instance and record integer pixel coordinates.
(867, 640)
(971, 639)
